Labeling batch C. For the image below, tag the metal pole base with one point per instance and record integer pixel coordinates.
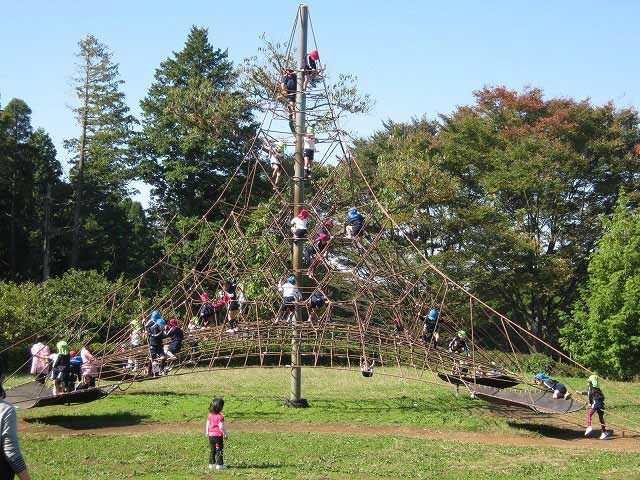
(297, 403)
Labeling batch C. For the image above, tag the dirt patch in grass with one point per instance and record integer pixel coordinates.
(570, 439)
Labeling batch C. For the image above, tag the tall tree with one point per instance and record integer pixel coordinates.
(102, 168)
(47, 185)
(603, 329)
(196, 128)
(17, 174)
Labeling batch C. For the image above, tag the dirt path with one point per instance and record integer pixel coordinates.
(616, 443)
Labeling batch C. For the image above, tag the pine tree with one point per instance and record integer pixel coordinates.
(196, 128)
(16, 175)
(102, 168)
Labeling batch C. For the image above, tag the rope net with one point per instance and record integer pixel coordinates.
(369, 292)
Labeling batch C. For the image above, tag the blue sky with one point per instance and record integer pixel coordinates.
(414, 57)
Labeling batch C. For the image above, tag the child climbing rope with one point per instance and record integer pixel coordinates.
(326, 225)
(175, 336)
(289, 85)
(398, 327)
(206, 311)
(458, 345)
(216, 433)
(155, 335)
(354, 223)
(135, 340)
(311, 68)
(430, 322)
(559, 390)
(314, 252)
(366, 368)
(596, 404)
(40, 359)
(276, 153)
(89, 367)
(316, 302)
(230, 294)
(290, 295)
(309, 150)
(299, 224)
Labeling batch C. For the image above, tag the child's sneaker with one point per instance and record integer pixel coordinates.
(567, 396)
(605, 435)
(220, 467)
(588, 431)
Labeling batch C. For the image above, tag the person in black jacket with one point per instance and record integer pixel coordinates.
(156, 334)
(289, 85)
(176, 336)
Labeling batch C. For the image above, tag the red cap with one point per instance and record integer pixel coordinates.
(204, 297)
(323, 237)
(72, 353)
(314, 55)
(328, 223)
(173, 322)
(303, 214)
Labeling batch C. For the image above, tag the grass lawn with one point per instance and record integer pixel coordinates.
(336, 397)
(314, 456)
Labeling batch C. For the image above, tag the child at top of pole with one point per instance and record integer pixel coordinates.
(216, 434)
(289, 85)
(309, 150)
(596, 404)
(310, 68)
(299, 224)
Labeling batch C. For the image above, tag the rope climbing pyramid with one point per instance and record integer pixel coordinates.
(326, 279)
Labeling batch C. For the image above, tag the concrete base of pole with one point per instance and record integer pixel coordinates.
(297, 403)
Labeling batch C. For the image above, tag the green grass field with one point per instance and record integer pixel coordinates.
(337, 398)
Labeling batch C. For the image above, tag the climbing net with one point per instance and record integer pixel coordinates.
(377, 285)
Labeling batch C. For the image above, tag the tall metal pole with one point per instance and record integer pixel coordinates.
(295, 397)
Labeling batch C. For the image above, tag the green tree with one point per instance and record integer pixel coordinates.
(102, 167)
(49, 193)
(16, 176)
(505, 194)
(197, 127)
(603, 330)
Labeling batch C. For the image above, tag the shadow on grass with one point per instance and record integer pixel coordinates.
(549, 430)
(85, 422)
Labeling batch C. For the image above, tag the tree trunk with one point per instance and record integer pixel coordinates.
(77, 207)
(12, 234)
(46, 234)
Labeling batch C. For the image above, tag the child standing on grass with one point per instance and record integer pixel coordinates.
(216, 432)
